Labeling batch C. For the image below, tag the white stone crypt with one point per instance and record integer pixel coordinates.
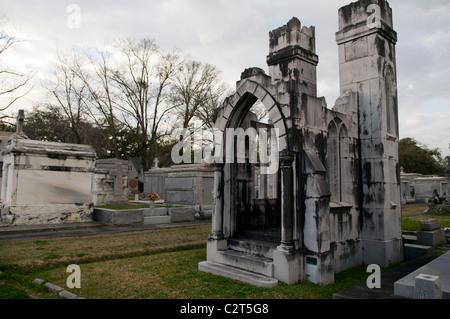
(337, 203)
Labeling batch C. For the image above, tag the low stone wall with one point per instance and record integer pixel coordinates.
(137, 216)
(46, 214)
(119, 217)
(182, 214)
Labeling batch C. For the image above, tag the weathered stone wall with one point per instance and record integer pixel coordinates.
(104, 181)
(182, 184)
(47, 182)
(338, 183)
(368, 68)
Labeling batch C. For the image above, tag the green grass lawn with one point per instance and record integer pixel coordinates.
(412, 215)
(148, 264)
(156, 264)
(174, 275)
(134, 206)
(12, 292)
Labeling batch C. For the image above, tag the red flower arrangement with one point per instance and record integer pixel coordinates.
(153, 196)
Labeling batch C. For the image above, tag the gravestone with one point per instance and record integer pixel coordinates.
(133, 186)
(431, 233)
(105, 184)
(182, 184)
(46, 182)
(427, 287)
(119, 198)
(156, 163)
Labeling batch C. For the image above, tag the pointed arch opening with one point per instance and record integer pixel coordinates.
(337, 159)
(251, 190)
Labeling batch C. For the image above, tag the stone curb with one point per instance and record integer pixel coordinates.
(54, 289)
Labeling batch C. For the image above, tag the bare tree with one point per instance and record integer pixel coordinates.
(196, 92)
(101, 105)
(11, 82)
(133, 93)
(70, 96)
(142, 82)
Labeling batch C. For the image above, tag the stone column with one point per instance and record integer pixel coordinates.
(448, 181)
(217, 241)
(217, 219)
(262, 186)
(287, 241)
(287, 262)
(369, 48)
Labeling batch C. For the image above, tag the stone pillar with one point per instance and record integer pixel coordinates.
(217, 241)
(293, 54)
(217, 220)
(287, 241)
(367, 59)
(262, 186)
(448, 181)
(287, 261)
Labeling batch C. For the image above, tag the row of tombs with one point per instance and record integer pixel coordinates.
(334, 201)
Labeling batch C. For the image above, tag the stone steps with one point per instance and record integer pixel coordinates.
(252, 246)
(150, 212)
(271, 235)
(410, 239)
(156, 216)
(237, 274)
(249, 258)
(414, 251)
(252, 263)
(157, 220)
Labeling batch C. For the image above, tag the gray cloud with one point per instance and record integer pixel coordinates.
(233, 35)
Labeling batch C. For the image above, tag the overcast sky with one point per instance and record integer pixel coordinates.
(233, 35)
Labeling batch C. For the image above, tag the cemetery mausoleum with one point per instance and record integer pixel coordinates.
(47, 182)
(334, 202)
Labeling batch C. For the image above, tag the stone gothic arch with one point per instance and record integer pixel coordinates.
(317, 234)
(337, 159)
(237, 105)
(237, 210)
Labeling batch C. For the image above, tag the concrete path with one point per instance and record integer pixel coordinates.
(361, 291)
(438, 267)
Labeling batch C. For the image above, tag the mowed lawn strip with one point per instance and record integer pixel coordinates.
(412, 216)
(175, 275)
(27, 255)
(156, 264)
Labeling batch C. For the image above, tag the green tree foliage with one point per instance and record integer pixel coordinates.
(52, 126)
(417, 158)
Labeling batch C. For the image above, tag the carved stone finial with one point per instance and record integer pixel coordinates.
(19, 125)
